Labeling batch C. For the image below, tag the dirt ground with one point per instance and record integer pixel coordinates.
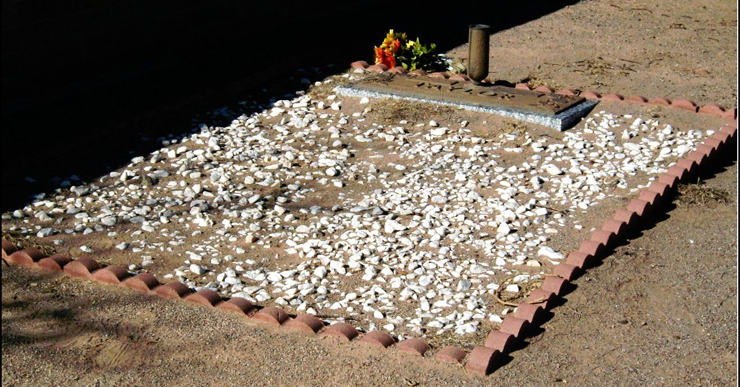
(662, 310)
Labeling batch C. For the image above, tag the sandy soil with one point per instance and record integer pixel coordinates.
(642, 318)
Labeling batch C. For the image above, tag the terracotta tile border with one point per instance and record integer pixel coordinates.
(483, 359)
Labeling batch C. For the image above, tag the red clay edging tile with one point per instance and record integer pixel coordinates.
(111, 275)
(341, 330)
(653, 198)
(360, 64)
(237, 305)
(414, 346)
(593, 248)
(712, 109)
(143, 282)
(730, 113)
(640, 207)
(660, 101)
(522, 86)
(604, 237)
(685, 104)
(173, 290)
(271, 315)
(542, 297)
(305, 323)
(8, 248)
(379, 68)
(481, 359)
(500, 341)
(636, 99)
(532, 313)
(54, 263)
(378, 338)
(26, 257)
(516, 326)
(589, 94)
(567, 271)
(579, 259)
(612, 97)
(451, 354)
(544, 89)
(566, 92)
(554, 284)
(205, 297)
(82, 267)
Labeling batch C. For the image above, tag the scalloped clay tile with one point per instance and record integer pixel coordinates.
(522, 86)
(590, 94)
(378, 68)
(605, 237)
(8, 248)
(533, 313)
(612, 97)
(143, 282)
(305, 323)
(341, 330)
(237, 305)
(501, 341)
(360, 64)
(567, 271)
(712, 109)
(205, 297)
(173, 290)
(660, 101)
(685, 104)
(55, 263)
(111, 275)
(650, 196)
(592, 248)
(640, 207)
(555, 284)
(566, 92)
(26, 257)
(542, 297)
(451, 354)
(414, 346)
(481, 360)
(82, 267)
(636, 99)
(378, 338)
(730, 113)
(271, 315)
(514, 325)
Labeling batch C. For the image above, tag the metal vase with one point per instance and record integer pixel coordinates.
(478, 39)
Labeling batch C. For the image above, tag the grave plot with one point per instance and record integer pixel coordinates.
(420, 220)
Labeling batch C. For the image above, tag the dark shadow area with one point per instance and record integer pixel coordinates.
(86, 84)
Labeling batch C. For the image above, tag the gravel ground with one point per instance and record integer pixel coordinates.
(639, 319)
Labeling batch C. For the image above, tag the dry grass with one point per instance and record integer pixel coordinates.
(700, 195)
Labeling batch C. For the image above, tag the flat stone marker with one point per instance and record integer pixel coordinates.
(549, 109)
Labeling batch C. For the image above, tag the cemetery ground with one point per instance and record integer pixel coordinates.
(661, 310)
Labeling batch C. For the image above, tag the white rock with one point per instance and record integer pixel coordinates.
(549, 253)
(197, 269)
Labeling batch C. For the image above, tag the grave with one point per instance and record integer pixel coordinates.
(548, 109)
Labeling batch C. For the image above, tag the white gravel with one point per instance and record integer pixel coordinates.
(412, 234)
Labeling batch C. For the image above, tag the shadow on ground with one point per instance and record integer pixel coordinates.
(84, 89)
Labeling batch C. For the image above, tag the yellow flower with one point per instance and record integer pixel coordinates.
(410, 44)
